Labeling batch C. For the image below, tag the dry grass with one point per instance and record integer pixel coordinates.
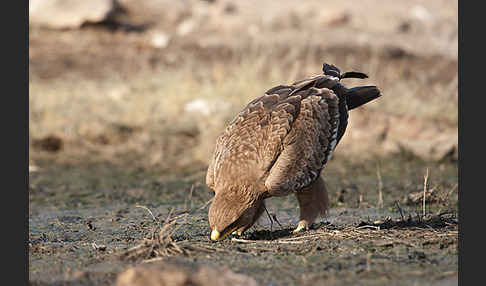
(161, 114)
(380, 188)
(160, 244)
(110, 95)
(426, 177)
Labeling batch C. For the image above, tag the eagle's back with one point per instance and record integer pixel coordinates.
(282, 139)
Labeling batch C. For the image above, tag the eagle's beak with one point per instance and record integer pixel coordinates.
(215, 235)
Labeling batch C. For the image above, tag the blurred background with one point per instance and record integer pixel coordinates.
(150, 84)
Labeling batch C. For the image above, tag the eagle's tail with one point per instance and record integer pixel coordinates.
(332, 70)
(357, 96)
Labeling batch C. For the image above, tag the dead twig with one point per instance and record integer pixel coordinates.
(98, 247)
(267, 241)
(189, 198)
(206, 204)
(380, 187)
(425, 191)
(451, 191)
(400, 210)
(270, 218)
(368, 226)
(368, 261)
(149, 211)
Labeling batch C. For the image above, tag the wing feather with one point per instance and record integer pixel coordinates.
(308, 146)
(282, 138)
(252, 140)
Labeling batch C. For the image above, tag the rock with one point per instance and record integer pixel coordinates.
(159, 40)
(68, 14)
(437, 148)
(207, 107)
(176, 273)
(431, 196)
(210, 116)
(33, 168)
(387, 135)
(421, 13)
(51, 143)
(186, 27)
(331, 17)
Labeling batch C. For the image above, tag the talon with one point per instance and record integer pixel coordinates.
(215, 235)
(238, 233)
(302, 226)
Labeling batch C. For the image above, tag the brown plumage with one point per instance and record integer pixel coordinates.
(278, 145)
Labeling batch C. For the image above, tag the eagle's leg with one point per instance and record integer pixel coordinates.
(313, 201)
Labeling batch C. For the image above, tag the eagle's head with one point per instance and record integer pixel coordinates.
(233, 211)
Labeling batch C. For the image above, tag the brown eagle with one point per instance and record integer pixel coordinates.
(278, 145)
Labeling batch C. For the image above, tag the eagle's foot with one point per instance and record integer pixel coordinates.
(237, 233)
(302, 226)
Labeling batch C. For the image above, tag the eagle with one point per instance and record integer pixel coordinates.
(278, 145)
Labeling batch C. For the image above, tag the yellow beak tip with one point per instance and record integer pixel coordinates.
(215, 234)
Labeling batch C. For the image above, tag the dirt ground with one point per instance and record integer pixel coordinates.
(117, 154)
(83, 221)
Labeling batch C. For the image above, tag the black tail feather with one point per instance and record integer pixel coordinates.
(357, 96)
(353, 74)
(332, 70)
